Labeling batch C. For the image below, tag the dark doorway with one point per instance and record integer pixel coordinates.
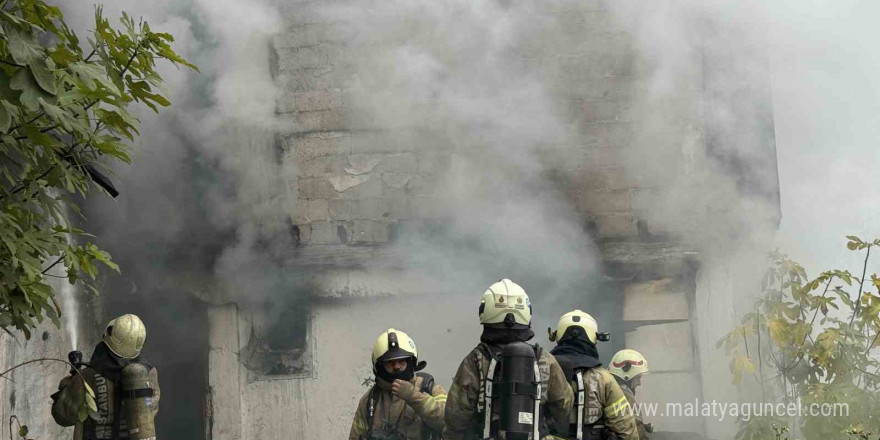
(177, 341)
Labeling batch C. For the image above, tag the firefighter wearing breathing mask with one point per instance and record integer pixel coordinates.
(403, 404)
(506, 388)
(125, 385)
(627, 367)
(601, 411)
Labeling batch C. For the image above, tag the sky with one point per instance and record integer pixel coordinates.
(825, 67)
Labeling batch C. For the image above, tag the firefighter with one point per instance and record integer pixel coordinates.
(628, 366)
(602, 411)
(125, 386)
(481, 398)
(403, 404)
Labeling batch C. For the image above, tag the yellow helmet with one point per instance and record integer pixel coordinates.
(505, 303)
(627, 364)
(394, 344)
(573, 325)
(125, 336)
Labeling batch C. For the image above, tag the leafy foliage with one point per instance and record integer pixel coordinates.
(811, 340)
(63, 118)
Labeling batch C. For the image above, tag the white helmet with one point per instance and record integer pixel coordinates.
(627, 364)
(575, 324)
(125, 336)
(506, 304)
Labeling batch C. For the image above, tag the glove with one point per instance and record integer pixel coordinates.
(403, 389)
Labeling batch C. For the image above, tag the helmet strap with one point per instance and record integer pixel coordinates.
(406, 374)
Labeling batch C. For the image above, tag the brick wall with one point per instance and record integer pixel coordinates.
(355, 180)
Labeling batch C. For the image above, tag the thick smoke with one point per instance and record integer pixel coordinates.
(203, 209)
(812, 60)
(456, 77)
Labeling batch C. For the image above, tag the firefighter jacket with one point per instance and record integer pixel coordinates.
(71, 396)
(604, 405)
(631, 398)
(104, 377)
(416, 416)
(464, 419)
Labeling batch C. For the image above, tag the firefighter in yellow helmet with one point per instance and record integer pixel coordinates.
(125, 387)
(403, 404)
(602, 410)
(628, 366)
(505, 387)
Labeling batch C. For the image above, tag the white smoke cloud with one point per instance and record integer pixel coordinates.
(468, 76)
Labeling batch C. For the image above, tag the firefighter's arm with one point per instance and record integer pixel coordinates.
(154, 381)
(66, 403)
(429, 407)
(619, 414)
(360, 426)
(560, 396)
(643, 429)
(461, 404)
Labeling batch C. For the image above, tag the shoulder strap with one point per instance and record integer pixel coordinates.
(482, 351)
(484, 400)
(579, 376)
(427, 386)
(370, 409)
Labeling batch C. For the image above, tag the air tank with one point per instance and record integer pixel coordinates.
(518, 390)
(137, 394)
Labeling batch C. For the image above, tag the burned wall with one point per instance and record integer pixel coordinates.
(375, 169)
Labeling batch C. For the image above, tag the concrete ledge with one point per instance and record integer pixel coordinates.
(637, 258)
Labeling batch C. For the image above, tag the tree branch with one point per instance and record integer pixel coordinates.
(53, 264)
(11, 64)
(861, 284)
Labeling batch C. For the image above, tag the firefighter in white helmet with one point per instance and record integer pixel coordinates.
(602, 410)
(628, 366)
(536, 384)
(404, 404)
(125, 387)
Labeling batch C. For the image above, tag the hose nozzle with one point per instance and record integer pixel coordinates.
(75, 358)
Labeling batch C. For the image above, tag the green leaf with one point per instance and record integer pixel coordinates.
(83, 412)
(62, 56)
(89, 390)
(740, 364)
(90, 401)
(88, 73)
(30, 90)
(43, 76)
(5, 119)
(791, 312)
(23, 431)
(779, 331)
(21, 47)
